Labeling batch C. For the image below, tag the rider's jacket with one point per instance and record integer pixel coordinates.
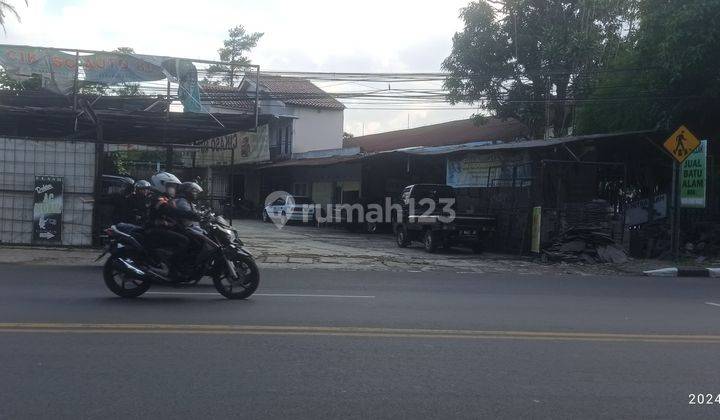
(138, 208)
(183, 204)
(165, 213)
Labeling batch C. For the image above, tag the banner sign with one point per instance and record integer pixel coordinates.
(693, 177)
(118, 68)
(487, 170)
(638, 212)
(188, 88)
(48, 208)
(248, 148)
(56, 68)
(469, 171)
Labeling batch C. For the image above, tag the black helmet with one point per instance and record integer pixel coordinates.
(142, 185)
(189, 190)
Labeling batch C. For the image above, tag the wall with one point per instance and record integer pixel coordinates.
(316, 129)
(313, 129)
(319, 179)
(20, 161)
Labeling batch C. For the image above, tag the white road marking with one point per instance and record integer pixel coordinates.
(267, 294)
(712, 303)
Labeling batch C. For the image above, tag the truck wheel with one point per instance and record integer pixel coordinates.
(371, 227)
(431, 241)
(401, 236)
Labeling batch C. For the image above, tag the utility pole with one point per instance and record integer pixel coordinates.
(547, 109)
(169, 102)
(75, 83)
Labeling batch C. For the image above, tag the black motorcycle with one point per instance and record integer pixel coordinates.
(133, 266)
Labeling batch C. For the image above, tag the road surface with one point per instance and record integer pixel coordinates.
(330, 344)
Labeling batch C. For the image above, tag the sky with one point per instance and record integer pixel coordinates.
(325, 36)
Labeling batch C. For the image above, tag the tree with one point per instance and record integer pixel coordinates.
(7, 8)
(8, 83)
(238, 43)
(526, 59)
(668, 72)
(127, 89)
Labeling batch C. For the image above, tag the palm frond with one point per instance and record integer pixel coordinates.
(8, 8)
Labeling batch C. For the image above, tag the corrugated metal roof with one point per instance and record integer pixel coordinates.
(456, 148)
(516, 145)
(452, 132)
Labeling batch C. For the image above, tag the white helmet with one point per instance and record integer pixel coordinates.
(165, 182)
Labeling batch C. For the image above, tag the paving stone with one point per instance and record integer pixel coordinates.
(276, 259)
(299, 260)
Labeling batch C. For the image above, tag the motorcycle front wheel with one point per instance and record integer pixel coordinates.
(244, 285)
(121, 283)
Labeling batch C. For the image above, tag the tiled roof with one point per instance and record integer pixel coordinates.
(453, 132)
(290, 90)
(299, 92)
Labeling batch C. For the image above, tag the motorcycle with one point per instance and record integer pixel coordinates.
(133, 267)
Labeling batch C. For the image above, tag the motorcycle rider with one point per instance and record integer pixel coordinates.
(164, 217)
(139, 202)
(188, 193)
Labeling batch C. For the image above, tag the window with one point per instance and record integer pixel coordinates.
(288, 141)
(301, 189)
(116, 187)
(302, 200)
(274, 140)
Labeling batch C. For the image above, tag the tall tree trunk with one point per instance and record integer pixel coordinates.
(560, 107)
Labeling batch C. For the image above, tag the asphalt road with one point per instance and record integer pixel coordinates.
(330, 344)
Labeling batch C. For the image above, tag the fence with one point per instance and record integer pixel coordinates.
(60, 192)
(21, 160)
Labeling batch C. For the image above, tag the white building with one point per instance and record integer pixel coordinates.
(308, 118)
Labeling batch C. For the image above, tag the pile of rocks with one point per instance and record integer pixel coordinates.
(585, 244)
(703, 241)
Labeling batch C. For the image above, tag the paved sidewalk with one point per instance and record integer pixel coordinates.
(298, 246)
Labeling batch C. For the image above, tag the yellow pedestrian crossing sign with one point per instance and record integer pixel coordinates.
(681, 144)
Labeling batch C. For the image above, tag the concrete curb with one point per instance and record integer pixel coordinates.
(683, 272)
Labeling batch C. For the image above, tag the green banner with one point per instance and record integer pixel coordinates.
(56, 68)
(693, 178)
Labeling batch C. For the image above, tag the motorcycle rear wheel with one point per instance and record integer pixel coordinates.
(245, 285)
(116, 281)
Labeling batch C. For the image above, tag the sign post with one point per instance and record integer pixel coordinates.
(693, 178)
(536, 231)
(48, 209)
(681, 144)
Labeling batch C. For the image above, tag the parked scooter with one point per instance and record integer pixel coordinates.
(133, 266)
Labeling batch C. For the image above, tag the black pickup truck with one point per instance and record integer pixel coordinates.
(429, 216)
